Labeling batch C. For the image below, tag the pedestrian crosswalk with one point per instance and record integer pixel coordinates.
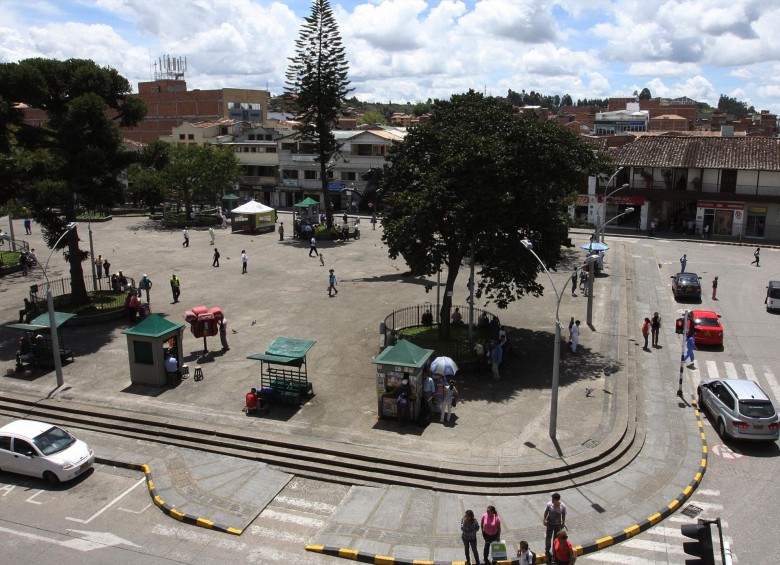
(710, 369)
(663, 544)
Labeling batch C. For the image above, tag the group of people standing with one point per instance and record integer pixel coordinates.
(557, 547)
(651, 327)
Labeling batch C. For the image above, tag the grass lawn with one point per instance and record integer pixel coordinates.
(458, 346)
(100, 301)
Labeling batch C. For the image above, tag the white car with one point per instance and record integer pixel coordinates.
(43, 450)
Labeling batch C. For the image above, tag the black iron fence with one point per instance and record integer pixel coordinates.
(103, 294)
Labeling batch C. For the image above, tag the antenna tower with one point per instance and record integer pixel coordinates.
(170, 68)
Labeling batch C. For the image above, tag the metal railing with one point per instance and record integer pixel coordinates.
(61, 290)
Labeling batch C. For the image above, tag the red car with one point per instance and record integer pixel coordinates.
(706, 327)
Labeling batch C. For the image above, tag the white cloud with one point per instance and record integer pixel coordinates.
(663, 68)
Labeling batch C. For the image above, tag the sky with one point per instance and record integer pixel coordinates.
(412, 50)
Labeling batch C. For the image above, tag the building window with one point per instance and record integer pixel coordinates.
(288, 147)
(181, 137)
(190, 136)
(728, 181)
(270, 149)
(254, 150)
(756, 221)
(251, 137)
(290, 174)
(268, 137)
(310, 175)
(143, 352)
(331, 174)
(348, 175)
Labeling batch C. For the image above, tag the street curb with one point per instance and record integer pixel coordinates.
(641, 235)
(164, 506)
(602, 543)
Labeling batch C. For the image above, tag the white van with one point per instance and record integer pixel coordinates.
(772, 296)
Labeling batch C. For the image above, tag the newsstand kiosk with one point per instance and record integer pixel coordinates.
(396, 363)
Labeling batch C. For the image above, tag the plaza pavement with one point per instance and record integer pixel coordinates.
(496, 423)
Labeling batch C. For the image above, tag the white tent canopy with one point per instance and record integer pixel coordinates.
(252, 207)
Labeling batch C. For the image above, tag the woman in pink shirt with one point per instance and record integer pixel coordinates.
(491, 529)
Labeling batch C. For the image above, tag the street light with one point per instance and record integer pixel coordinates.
(601, 209)
(591, 276)
(55, 339)
(557, 351)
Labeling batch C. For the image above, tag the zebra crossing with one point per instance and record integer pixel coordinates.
(664, 543)
(762, 374)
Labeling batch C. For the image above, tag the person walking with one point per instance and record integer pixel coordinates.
(313, 246)
(575, 336)
(186, 233)
(373, 221)
(553, 519)
(281, 231)
(211, 236)
(714, 288)
(175, 287)
(690, 345)
(491, 530)
(215, 262)
(646, 332)
(524, 554)
(468, 533)
(99, 266)
(571, 325)
(705, 231)
(244, 261)
(106, 267)
(574, 283)
(223, 334)
(683, 262)
(655, 327)
(496, 357)
(145, 284)
(757, 257)
(27, 226)
(450, 394)
(332, 282)
(563, 551)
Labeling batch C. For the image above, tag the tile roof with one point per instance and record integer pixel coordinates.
(745, 153)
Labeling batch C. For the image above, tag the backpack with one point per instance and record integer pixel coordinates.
(216, 254)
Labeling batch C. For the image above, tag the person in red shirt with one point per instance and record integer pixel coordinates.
(251, 401)
(646, 331)
(563, 550)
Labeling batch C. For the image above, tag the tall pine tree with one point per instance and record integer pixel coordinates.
(317, 76)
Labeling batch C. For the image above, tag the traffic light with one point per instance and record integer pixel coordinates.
(678, 326)
(702, 547)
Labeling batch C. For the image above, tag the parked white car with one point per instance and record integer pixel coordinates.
(43, 450)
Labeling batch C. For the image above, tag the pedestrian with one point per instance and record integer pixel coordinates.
(215, 262)
(145, 284)
(683, 262)
(211, 236)
(714, 288)
(491, 530)
(583, 278)
(553, 519)
(655, 327)
(131, 305)
(332, 282)
(563, 552)
(757, 257)
(468, 533)
(571, 325)
(186, 233)
(24, 311)
(244, 261)
(281, 231)
(24, 262)
(99, 266)
(496, 357)
(574, 283)
(346, 219)
(575, 336)
(646, 331)
(429, 393)
(175, 287)
(223, 334)
(106, 268)
(690, 345)
(27, 226)
(705, 230)
(450, 394)
(524, 554)
(313, 246)
(373, 220)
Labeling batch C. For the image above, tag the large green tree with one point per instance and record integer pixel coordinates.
(475, 180)
(72, 159)
(317, 77)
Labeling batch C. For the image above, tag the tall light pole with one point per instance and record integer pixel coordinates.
(599, 229)
(55, 339)
(557, 351)
(591, 276)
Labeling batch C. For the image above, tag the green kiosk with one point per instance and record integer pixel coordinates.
(149, 344)
(396, 363)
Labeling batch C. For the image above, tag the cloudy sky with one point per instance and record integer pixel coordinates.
(412, 50)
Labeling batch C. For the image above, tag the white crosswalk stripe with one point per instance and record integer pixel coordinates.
(750, 374)
(771, 382)
(731, 370)
(712, 370)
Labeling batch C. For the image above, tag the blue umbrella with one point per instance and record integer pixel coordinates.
(444, 366)
(594, 247)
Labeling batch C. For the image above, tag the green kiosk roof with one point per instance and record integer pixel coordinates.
(285, 351)
(42, 322)
(404, 354)
(153, 326)
(230, 197)
(306, 203)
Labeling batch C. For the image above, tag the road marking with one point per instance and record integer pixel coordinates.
(772, 382)
(725, 452)
(107, 506)
(90, 541)
(291, 518)
(7, 489)
(750, 374)
(135, 511)
(731, 370)
(707, 492)
(712, 370)
(31, 501)
(309, 505)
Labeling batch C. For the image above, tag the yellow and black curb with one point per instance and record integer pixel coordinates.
(597, 545)
(167, 508)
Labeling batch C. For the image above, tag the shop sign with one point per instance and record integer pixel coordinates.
(637, 200)
(293, 183)
(581, 199)
(757, 209)
(336, 186)
(721, 205)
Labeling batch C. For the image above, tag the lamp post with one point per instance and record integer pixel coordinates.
(600, 229)
(557, 351)
(55, 339)
(591, 276)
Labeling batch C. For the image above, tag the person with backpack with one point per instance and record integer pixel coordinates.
(646, 332)
(524, 555)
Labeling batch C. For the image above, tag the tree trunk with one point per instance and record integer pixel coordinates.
(78, 289)
(446, 303)
(325, 192)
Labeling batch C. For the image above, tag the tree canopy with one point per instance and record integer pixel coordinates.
(317, 76)
(645, 94)
(733, 106)
(73, 158)
(477, 178)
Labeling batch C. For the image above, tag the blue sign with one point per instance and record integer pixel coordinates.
(336, 186)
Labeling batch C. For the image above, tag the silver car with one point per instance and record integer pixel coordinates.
(739, 409)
